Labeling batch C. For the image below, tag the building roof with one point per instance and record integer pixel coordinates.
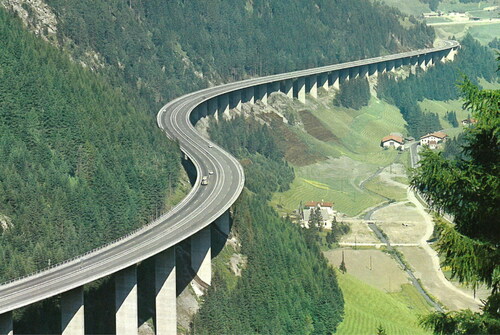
(395, 138)
(320, 203)
(438, 134)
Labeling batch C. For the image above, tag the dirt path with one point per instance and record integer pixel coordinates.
(430, 272)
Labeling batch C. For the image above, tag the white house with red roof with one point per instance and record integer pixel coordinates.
(393, 141)
(432, 140)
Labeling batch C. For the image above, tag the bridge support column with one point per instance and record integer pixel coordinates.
(390, 66)
(382, 67)
(213, 108)
(223, 102)
(344, 76)
(261, 93)
(287, 88)
(250, 95)
(165, 301)
(334, 80)
(406, 61)
(421, 62)
(6, 325)
(323, 81)
(353, 72)
(301, 89)
(236, 99)
(126, 301)
(273, 87)
(201, 254)
(397, 64)
(203, 109)
(373, 70)
(72, 312)
(223, 223)
(363, 71)
(313, 86)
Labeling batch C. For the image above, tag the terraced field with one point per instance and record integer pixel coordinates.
(366, 308)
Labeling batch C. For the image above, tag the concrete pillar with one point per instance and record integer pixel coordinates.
(261, 93)
(250, 95)
(223, 102)
(373, 70)
(301, 89)
(421, 62)
(428, 60)
(363, 71)
(313, 86)
(166, 296)
(236, 99)
(390, 66)
(334, 80)
(203, 109)
(126, 301)
(406, 61)
(382, 67)
(287, 88)
(201, 254)
(323, 81)
(398, 63)
(344, 75)
(6, 324)
(213, 108)
(223, 223)
(72, 312)
(353, 72)
(273, 87)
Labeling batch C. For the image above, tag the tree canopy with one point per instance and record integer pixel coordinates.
(468, 188)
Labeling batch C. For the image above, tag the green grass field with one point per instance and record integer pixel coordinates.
(355, 154)
(367, 307)
(378, 186)
(441, 107)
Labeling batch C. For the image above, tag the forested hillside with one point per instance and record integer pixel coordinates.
(437, 83)
(80, 162)
(287, 286)
(165, 48)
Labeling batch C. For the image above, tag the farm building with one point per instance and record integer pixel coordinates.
(393, 141)
(432, 140)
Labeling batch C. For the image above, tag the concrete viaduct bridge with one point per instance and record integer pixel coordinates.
(192, 217)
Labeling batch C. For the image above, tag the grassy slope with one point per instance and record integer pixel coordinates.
(358, 135)
(396, 312)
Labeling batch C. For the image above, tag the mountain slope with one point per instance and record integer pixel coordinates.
(81, 163)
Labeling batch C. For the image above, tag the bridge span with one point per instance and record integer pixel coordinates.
(192, 217)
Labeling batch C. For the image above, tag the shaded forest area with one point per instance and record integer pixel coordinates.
(354, 93)
(81, 163)
(287, 286)
(437, 83)
(166, 48)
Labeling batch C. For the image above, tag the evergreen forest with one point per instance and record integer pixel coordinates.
(437, 83)
(287, 286)
(81, 163)
(165, 48)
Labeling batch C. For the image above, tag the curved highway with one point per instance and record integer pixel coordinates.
(199, 209)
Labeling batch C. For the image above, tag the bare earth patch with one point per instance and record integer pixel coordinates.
(384, 273)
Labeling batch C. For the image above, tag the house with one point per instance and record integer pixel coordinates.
(468, 121)
(432, 140)
(393, 141)
(326, 210)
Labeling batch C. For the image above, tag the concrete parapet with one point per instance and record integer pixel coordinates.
(6, 324)
(166, 296)
(72, 312)
(126, 301)
(301, 89)
(201, 254)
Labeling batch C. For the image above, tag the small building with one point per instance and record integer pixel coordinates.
(468, 121)
(433, 140)
(326, 209)
(393, 141)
